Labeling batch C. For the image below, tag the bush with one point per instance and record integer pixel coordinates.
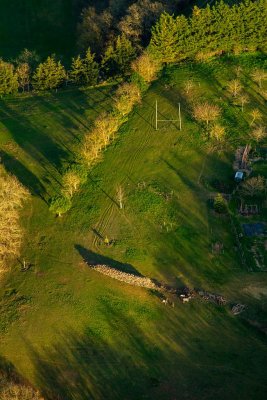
(220, 204)
(60, 205)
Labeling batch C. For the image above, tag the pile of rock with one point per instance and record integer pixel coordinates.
(131, 279)
(238, 308)
(212, 297)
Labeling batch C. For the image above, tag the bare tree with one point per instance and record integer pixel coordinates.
(127, 95)
(234, 87)
(206, 112)
(12, 197)
(259, 75)
(23, 72)
(256, 115)
(243, 99)
(188, 86)
(107, 125)
(259, 133)
(71, 183)
(255, 186)
(120, 196)
(217, 132)
(147, 67)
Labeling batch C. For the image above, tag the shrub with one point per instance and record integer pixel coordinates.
(60, 205)
(220, 204)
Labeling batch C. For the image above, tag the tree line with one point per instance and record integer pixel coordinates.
(208, 31)
(12, 197)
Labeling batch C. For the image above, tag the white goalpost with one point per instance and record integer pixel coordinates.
(157, 120)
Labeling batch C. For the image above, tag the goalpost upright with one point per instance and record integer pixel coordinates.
(168, 120)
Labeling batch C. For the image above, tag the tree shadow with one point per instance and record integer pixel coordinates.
(31, 137)
(87, 366)
(24, 175)
(97, 259)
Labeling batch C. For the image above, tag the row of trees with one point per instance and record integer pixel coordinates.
(128, 94)
(51, 73)
(211, 30)
(12, 197)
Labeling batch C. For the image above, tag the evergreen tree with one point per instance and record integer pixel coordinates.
(76, 74)
(167, 37)
(118, 56)
(91, 68)
(8, 78)
(49, 75)
(211, 30)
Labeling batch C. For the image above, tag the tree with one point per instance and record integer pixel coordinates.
(60, 205)
(259, 75)
(71, 182)
(206, 112)
(8, 78)
(91, 68)
(147, 67)
(253, 187)
(140, 17)
(28, 57)
(49, 75)
(106, 125)
(77, 70)
(188, 86)
(168, 36)
(12, 197)
(217, 132)
(256, 115)
(93, 30)
(259, 133)
(23, 72)
(234, 87)
(127, 95)
(219, 204)
(120, 196)
(118, 56)
(243, 99)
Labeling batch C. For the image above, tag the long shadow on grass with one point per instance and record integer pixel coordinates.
(115, 358)
(88, 367)
(97, 259)
(24, 175)
(31, 138)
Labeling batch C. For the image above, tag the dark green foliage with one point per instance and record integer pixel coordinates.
(139, 81)
(60, 205)
(211, 30)
(169, 38)
(118, 56)
(220, 205)
(8, 78)
(49, 75)
(84, 70)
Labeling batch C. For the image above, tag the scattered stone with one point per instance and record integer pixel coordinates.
(238, 308)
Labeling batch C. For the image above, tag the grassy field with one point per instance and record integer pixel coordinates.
(47, 26)
(82, 335)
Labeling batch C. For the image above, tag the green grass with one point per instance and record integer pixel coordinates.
(84, 335)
